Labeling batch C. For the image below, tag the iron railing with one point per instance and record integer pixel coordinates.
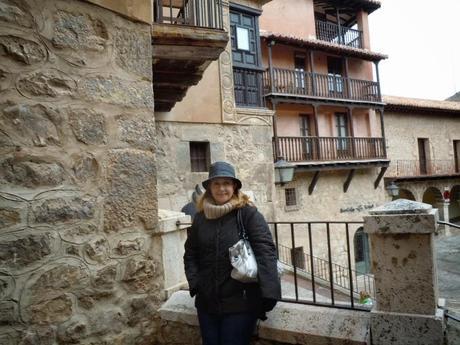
(331, 32)
(362, 281)
(298, 149)
(321, 270)
(301, 83)
(248, 87)
(415, 168)
(201, 13)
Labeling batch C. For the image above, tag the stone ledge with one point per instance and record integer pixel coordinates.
(167, 221)
(288, 323)
(402, 223)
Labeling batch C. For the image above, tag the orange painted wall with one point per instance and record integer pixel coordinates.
(289, 18)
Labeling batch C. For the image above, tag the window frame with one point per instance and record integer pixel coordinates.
(200, 164)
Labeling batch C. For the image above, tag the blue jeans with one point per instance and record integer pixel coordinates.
(227, 329)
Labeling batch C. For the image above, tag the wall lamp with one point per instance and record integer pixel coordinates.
(284, 171)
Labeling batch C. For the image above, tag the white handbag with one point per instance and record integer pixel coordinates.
(242, 257)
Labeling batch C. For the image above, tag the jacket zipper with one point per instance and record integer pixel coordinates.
(219, 307)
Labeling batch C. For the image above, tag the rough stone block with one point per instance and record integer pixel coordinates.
(88, 126)
(138, 131)
(31, 173)
(407, 329)
(58, 309)
(9, 217)
(73, 330)
(31, 125)
(140, 274)
(79, 31)
(131, 190)
(133, 51)
(58, 210)
(49, 83)
(96, 250)
(21, 50)
(404, 273)
(8, 312)
(19, 250)
(108, 321)
(14, 14)
(85, 167)
(110, 89)
(79, 233)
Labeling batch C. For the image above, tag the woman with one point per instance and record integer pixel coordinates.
(228, 309)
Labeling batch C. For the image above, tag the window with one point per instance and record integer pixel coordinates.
(246, 56)
(298, 257)
(291, 199)
(361, 247)
(299, 65)
(242, 38)
(457, 155)
(199, 156)
(334, 75)
(341, 123)
(423, 156)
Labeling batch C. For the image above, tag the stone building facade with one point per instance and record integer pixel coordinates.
(79, 260)
(425, 160)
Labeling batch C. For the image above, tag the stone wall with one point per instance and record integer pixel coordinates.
(247, 147)
(78, 208)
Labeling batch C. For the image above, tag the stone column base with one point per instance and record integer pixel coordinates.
(407, 329)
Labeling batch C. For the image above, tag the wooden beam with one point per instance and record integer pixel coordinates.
(380, 176)
(189, 36)
(348, 180)
(183, 52)
(313, 182)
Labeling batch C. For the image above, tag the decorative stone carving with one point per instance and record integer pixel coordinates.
(226, 73)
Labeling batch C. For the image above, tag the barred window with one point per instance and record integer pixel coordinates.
(199, 156)
(291, 199)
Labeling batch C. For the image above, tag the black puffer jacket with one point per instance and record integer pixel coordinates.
(208, 268)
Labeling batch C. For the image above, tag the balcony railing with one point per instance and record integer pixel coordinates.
(330, 32)
(301, 149)
(248, 87)
(300, 83)
(202, 13)
(415, 168)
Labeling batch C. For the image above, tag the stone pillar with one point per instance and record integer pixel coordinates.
(173, 238)
(78, 206)
(401, 236)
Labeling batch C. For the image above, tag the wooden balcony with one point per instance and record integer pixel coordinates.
(332, 149)
(421, 169)
(292, 83)
(187, 36)
(333, 33)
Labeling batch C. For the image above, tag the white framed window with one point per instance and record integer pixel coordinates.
(242, 38)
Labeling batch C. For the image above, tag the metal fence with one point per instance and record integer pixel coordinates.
(201, 13)
(321, 280)
(331, 32)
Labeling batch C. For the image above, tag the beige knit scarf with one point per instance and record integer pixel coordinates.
(212, 211)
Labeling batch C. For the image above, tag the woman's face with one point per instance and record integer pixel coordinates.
(222, 189)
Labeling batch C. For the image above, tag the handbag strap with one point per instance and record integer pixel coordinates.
(241, 229)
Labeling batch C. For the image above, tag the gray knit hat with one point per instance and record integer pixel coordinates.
(221, 169)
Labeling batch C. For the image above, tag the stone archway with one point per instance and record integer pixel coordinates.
(454, 206)
(433, 196)
(406, 194)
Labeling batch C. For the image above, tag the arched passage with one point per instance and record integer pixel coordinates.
(433, 196)
(454, 207)
(406, 194)
(361, 246)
